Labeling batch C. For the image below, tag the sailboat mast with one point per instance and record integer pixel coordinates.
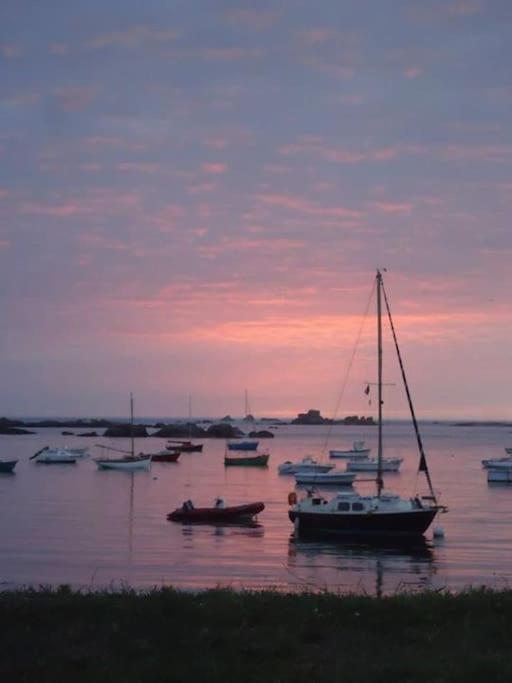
(131, 425)
(246, 405)
(380, 483)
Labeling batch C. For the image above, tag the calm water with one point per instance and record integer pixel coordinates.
(78, 525)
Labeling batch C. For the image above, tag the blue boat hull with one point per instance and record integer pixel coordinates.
(243, 446)
(7, 465)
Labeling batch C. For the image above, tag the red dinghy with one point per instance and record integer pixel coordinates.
(166, 456)
(219, 513)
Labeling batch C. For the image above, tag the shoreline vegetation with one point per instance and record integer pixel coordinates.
(224, 635)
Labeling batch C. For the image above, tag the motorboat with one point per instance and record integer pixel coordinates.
(184, 446)
(372, 465)
(166, 456)
(322, 478)
(307, 464)
(244, 445)
(7, 466)
(383, 514)
(220, 512)
(257, 460)
(499, 471)
(54, 456)
(358, 450)
(79, 452)
(492, 462)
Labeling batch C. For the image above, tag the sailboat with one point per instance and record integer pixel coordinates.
(383, 514)
(186, 446)
(244, 444)
(129, 461)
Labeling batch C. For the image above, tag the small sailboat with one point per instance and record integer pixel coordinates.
(306, 465)
(383, 514)
(129, 461)
(358, 450)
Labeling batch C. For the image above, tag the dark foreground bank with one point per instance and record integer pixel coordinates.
(224, 636)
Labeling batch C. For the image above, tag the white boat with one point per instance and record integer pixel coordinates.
(492, 462)
(383, 514)
(49, 456)
(357, 451)
(372, 465)
(129, 461)
(307, 464)
(322, 478)
(79, 452)
(500, 472)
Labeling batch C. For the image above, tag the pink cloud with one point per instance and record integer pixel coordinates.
(310, 208)
(11, 51)
(214, 168)
(133, 36)
(97, 203)
(4, 192)
(316, 36)
(497, 153)
(393, 207)
(74, 98)
(4, 244)
(22, 98)
(228, 54)
(58, 49)
(320, 148)
(90, 168)
(215, 143)
(139, 166)
(413, 72)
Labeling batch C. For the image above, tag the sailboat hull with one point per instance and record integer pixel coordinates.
(410, 523)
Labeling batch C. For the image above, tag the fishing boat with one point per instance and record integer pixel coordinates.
(220, 512)
(7, 466)
(307, 464)
(257, 460)
(357, 451)
(383, 514)
(166, 456)
(184, 446)
(128, 461)
(244, 445)
(54, 456)
(372, 465)
(323, 478)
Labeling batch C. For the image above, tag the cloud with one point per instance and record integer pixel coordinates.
(139, 166)
(224, 54)
(316, 36)
(255, 19)
(300, 205)
(214, 168)
(313, 146)
(490, 153)
(58, 49)
(393, 207)
(11, 51)
(133, 36)
(74, 98)
(413, 72)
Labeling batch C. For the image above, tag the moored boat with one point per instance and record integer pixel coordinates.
(184, 446)
(358, 450)
(7, 466)
(54, 456)
(492, 462)
(245, 445)
(128, 462)
(500, 471)
(257, 460)
(307, 464)
(323, 478)
(166, 456)
(372, 465)
(383, 514)
(218, 513)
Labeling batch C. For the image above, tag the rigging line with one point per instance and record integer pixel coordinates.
(423, 460)
(349, 367)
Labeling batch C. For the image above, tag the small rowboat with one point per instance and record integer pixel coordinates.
(136, 462)
(243, 445)
(259, 460)
(166, 456)
(185, 446)
(232, 513)
(322, 478)
(7, 465)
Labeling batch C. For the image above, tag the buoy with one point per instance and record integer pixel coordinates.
(438, 532)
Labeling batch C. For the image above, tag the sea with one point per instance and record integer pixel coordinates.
(95, 529)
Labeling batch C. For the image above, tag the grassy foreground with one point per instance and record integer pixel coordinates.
(223, 635)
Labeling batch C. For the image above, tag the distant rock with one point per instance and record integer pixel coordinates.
(249, 418)
(125, 431)
(180, 431)
(262, 434)
(228, 418)
(222, 430)
(314, 417)
(14, 430)
(88, 434)
(68, 433)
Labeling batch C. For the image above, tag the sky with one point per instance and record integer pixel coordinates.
(195, 196)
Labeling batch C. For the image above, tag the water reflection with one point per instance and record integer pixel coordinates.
(376, 569)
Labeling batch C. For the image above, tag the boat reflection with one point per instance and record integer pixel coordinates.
(377, 569)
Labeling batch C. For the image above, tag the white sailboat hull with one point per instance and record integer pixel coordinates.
(499, 474)
(319, 478)
(307, 465)
(124, 464)
(388, 465)
(350, 455)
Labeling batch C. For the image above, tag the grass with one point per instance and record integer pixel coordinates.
(222, 635)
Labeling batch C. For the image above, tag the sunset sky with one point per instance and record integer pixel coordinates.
(194, 196)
